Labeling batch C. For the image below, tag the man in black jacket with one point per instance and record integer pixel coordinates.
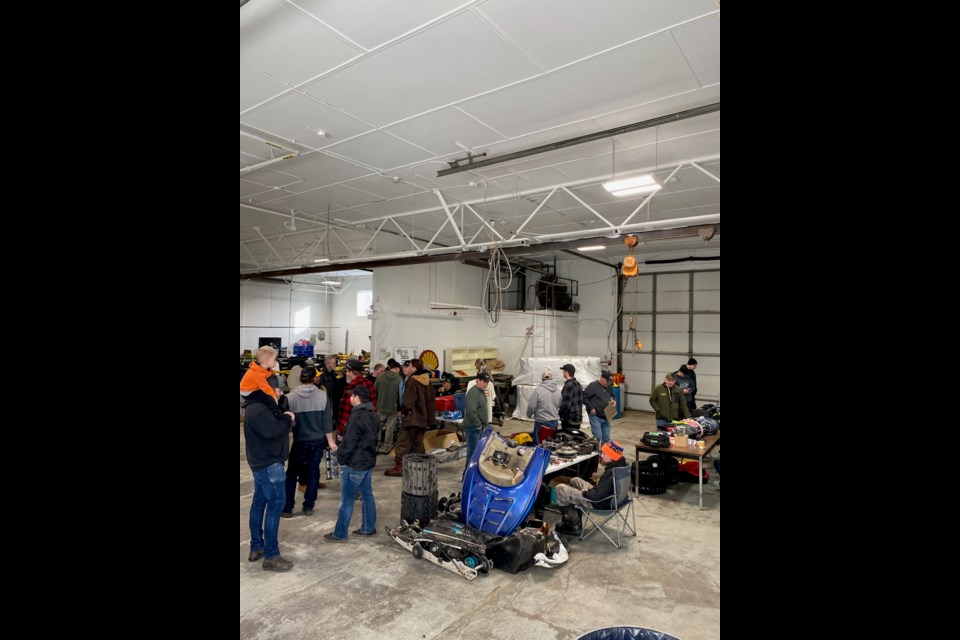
(357, 456)
(571, 400)
(580, 492)
(266, 432)
(689, 370)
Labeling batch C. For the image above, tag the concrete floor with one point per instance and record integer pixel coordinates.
(668, 578)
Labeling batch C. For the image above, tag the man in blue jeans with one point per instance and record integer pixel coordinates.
(596, 397)
(313, 434)
(266, 432)
(475, 413)
(357, 456)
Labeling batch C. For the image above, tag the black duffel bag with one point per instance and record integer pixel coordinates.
(654, 439)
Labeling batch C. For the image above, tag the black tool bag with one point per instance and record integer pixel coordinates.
(654, 439)
(515, 552)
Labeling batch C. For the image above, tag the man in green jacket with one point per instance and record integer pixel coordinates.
(668, 402)
(387, 387)
(475, 412)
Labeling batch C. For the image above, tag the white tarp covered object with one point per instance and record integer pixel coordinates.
(531, 372)
(531, 369)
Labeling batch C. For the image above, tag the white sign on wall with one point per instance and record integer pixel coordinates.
(405, 353)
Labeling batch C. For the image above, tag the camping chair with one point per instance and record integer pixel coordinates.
(621, 503)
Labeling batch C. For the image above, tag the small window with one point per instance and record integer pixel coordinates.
(364, 302)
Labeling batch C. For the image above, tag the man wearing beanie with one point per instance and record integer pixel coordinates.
(580, 492)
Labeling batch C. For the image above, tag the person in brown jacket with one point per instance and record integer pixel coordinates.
(418, 410)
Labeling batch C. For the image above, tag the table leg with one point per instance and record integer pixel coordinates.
(700, 480)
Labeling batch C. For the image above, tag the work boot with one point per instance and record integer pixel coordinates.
(571, 524)
(278, 563)
(395, 472)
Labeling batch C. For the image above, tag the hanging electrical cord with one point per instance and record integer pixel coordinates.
(493, 288)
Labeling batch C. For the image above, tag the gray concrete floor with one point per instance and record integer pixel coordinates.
(667, 578)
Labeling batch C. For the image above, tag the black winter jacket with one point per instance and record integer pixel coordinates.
(571, 402)
(265, 434)
(604, 488)
(596, 396)
(359, 447)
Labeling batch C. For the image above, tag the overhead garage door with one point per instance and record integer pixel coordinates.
(674, 315)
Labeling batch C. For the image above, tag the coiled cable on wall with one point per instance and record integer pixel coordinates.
(492, 301)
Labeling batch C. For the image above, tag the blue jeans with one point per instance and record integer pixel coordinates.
(350, 480)
(473, 437)
(664, 423)
(304, 465)
(600, 429)
(268, 495)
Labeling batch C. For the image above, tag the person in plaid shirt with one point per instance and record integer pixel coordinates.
(354, 373)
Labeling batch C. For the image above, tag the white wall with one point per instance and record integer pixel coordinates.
(403, 298)
(598, 302)
(276, 309)
(343, 318)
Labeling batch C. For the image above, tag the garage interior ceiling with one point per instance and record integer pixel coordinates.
(348, 110)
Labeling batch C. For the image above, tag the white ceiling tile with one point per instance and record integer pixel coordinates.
(290, 116)
(399, 205)
(256, 87)
(700, 43)
(649, 70)
(556, 32)
(318, 200)
(372, 24)
(281, 40)
(438, 132)
(454, 60)
(320, 170)
(384, 186)
(379, 150)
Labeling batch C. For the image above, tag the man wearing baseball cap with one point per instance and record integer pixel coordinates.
(580, 492)
(596, 397)
(668, 403)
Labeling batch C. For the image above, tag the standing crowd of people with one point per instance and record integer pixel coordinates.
(356, 417)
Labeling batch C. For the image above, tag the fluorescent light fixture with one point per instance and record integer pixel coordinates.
(592, 247)
(631, 186)
(322, 260)
(332, 283)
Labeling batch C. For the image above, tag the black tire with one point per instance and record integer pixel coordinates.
(417, 550)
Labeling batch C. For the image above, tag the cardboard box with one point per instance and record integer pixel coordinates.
(439, 439)
(680, 440)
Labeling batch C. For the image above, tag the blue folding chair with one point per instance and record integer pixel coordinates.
(621, 509)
